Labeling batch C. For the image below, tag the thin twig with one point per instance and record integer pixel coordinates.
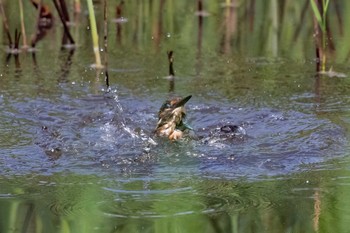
(17, 38)
(105, 18)
(171, 71)
(66, 29)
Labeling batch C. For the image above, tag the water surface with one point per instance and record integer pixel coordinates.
(75, 157)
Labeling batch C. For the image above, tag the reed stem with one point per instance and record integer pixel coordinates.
(23, 29)
(320, 9)
(94, 34)
(6, 26)
(105, 18)
(63, 18)
(171, 72)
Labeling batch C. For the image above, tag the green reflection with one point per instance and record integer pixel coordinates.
(73, 203)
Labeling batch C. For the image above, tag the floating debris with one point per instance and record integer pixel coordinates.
(333, 74)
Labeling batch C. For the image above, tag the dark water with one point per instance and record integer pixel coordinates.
(76, 158)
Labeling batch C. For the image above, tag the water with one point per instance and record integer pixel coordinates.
(76, 158)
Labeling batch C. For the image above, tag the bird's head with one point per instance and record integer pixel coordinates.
(170, 118)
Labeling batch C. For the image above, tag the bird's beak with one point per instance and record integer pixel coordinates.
(183, 101)
(186, 126)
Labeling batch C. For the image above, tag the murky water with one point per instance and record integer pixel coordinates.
(76, 158)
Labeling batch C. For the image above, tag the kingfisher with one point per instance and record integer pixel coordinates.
(171, 117)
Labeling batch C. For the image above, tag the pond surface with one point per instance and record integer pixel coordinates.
(75, 157)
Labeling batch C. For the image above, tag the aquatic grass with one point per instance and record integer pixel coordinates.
(17, 38)
(64, 10)
(94, 34)
(320, 14)
(63, 14)
(5, 23)
(200, 28)
(249, 14)
(23, 29)
(105, 18)
(14, 49)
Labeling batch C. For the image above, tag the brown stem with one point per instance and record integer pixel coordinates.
(105, 18)
(171, 71)
(6, 26)
(66, 29)
(200, 27)
(171, 60)
(318, 36)
(119, 11)
(17, 38)
(64, 10)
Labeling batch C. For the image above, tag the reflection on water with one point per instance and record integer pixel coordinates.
(71, 203)
(77, 158)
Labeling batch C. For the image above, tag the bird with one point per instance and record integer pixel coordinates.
(171, 117)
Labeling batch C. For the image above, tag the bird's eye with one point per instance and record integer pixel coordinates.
(165, 106)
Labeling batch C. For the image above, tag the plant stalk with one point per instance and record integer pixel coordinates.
(23, 29)
(6, 26)
(64, 22)
(105, 17)
(94, 34)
